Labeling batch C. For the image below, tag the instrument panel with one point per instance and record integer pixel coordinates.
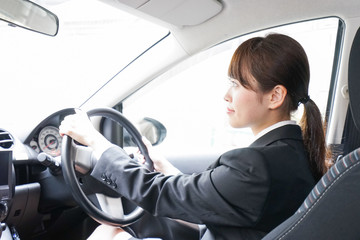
(45, 137)
(48, 140)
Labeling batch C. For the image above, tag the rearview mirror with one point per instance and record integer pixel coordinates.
(29, 15)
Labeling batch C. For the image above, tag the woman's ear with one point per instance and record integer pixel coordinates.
(277, 96)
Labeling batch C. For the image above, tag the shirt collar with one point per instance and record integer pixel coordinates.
(274, 126)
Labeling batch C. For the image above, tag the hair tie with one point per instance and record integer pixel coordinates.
(304, 100)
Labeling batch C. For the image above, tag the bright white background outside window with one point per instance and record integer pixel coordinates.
(45, 74)
(188, 100)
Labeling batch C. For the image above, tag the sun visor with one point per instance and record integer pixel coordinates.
(130, 3)
(175, 12)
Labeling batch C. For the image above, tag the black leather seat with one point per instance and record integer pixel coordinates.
(332, 209)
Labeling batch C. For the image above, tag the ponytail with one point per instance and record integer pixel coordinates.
(314, 138)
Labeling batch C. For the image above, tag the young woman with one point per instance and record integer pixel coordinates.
(247, 191)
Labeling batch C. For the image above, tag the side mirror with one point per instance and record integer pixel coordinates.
(29, 15)
(150, 128)
(153, 130)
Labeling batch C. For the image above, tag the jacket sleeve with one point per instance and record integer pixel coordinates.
(216, 196)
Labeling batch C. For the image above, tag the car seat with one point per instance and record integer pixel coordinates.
(331, 210)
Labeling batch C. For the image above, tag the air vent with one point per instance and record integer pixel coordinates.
(6, 140)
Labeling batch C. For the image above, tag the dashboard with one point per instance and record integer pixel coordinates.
(30, 193)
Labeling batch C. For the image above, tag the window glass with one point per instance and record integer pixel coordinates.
(189, 99)
(95, 41)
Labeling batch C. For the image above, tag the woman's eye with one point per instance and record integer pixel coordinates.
(233, 83)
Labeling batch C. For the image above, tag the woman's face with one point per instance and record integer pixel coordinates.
(245, 107)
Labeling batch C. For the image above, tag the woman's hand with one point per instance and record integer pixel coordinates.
(79, 127)
(161, 164)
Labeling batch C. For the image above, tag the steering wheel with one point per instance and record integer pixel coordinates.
(77, 157)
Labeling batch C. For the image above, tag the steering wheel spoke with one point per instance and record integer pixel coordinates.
(111, 205)
(82, 156)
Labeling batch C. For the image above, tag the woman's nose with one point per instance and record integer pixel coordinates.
(227, 96)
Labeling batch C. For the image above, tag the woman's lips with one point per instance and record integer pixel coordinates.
(228, 110)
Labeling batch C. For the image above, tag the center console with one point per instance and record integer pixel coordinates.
(6, 185)
(6, 182)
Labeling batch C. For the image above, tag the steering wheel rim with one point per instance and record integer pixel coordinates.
(71, 179)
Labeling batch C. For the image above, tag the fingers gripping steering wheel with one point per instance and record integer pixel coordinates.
(75, 156)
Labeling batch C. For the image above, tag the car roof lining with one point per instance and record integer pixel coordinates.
(234, 18)
(173, 12)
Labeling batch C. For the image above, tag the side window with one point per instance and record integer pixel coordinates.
(189, 99)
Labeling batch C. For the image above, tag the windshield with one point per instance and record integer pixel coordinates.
(44, 74)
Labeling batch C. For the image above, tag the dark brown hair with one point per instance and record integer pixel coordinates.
(280, 60)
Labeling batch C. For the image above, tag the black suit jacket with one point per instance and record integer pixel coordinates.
(243, 195)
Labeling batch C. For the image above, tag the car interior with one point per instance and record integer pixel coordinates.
(158, 68)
